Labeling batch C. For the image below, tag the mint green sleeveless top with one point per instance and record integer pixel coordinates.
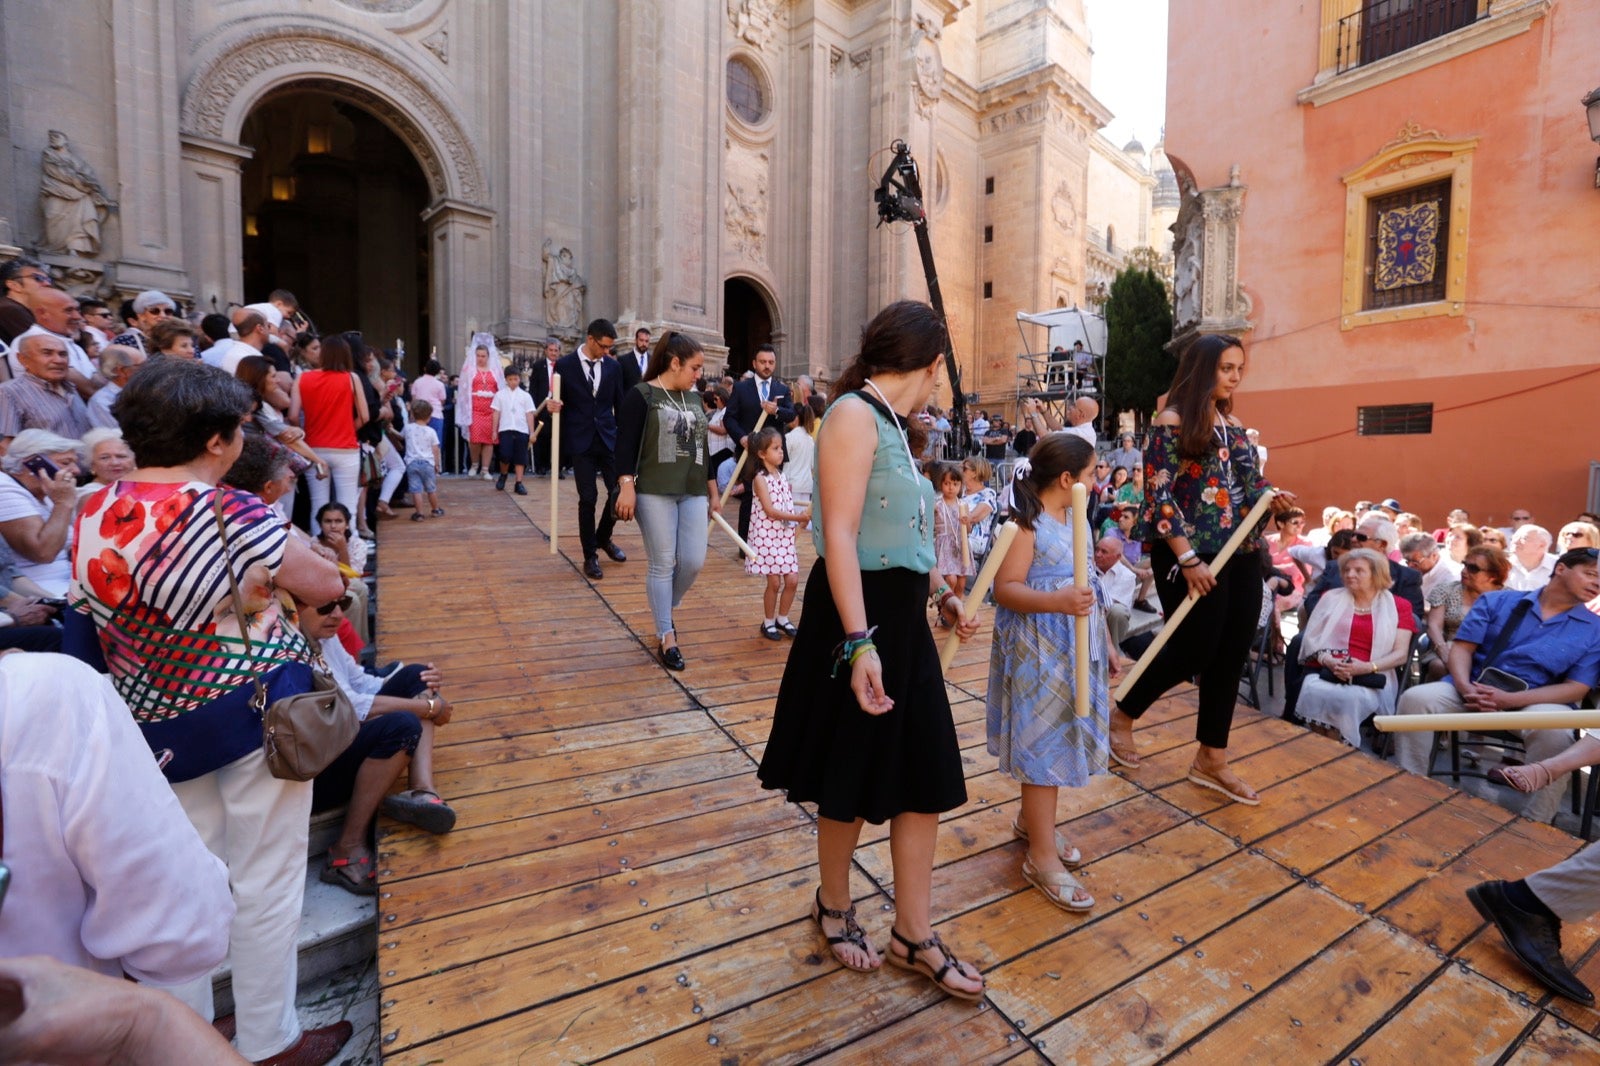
(897, 516)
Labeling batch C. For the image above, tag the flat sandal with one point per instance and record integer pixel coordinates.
(853, 933)
(911, 962)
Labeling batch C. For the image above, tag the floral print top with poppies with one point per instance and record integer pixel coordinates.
(149, 569)
(1201, 498)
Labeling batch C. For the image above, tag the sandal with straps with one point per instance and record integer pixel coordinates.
(911, 962)
(853, 933)
(1522, 778)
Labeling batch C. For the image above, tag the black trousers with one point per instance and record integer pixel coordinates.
(541, 447)
(381, 736)
(31, 638)
(1212, 643)
(597, 459)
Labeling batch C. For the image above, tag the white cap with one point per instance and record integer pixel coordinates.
(273, 316)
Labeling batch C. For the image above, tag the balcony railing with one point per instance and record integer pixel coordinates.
(1383, 27)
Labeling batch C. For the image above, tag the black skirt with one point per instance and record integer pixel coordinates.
(825, 749)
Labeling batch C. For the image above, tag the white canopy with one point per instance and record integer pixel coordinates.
(1066, 325)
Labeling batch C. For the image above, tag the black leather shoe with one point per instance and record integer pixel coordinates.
(1534, 939)
(614, 553)
(500, 483)
(591, 569)
(672, 659)
(521, 489)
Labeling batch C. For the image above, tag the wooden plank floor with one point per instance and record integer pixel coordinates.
(619, 885)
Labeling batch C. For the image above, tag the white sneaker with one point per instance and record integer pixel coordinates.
(488, 476)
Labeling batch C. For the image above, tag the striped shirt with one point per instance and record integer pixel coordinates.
(149, 568)
(29, 402)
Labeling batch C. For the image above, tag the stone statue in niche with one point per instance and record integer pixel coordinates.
(72, 200)
(1188, 250)
(564, 290)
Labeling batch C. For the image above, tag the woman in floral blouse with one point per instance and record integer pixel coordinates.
(1201, 480)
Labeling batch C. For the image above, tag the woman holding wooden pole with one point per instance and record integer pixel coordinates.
(1201, 481)
(862, 726)
(663, 480)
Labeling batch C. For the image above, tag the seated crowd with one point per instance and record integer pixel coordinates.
(183, 515)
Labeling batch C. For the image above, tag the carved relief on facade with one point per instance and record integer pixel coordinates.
(564, 290)
(1064, 207)
(438, 42)
(927, 80)
(72, 200)
(755, 22)
(745, 206)
(1205, 251)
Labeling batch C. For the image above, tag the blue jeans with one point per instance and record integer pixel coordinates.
(674, 531)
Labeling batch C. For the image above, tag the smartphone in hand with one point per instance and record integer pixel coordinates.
(41, 467)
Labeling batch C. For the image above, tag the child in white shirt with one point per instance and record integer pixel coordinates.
(422, 460)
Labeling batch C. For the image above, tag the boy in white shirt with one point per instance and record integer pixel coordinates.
(515, 424)
(422, 459)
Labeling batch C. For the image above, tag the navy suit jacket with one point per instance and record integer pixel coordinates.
(629, 362)
(744, 408)
(587, 416)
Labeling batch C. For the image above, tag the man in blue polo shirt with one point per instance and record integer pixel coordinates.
(1546, 640)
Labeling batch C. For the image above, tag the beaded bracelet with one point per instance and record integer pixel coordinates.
(851, 647)
(937, 598)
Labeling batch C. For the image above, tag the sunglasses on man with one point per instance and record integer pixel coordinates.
(342, 603)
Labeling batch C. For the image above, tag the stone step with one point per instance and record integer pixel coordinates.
(337, 929)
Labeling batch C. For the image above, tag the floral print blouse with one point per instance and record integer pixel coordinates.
(1202, 498)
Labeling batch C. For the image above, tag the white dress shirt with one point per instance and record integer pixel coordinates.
(360, 686)
(107, 871)
(1446, 569)
(1121, 584)
(1524, 580)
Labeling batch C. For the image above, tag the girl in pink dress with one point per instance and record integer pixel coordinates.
(772, 534)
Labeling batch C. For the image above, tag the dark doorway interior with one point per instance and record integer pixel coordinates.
(332, 204)
(746, 322)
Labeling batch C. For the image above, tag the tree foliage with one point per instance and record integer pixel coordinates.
(1138, 326)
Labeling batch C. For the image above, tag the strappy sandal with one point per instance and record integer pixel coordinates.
(353, 873)
(420, 808)
(911, 962)
(854, 935)
(1060, 889)
(1070, 857)
(1522, 778)
(1125, 757)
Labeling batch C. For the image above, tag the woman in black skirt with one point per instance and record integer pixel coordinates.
(862, 726)
(1200, 481)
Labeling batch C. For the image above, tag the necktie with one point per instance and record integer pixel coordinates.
(591, 367)
(764, 385)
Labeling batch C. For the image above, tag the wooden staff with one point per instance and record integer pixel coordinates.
(739, 466)
(1486, 721)
(980, 588)
(1080, 578)
(1245, 528)
(718, 520)
(966, 543)
(555, 457)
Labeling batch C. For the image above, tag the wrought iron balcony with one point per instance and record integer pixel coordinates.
(1384, 27)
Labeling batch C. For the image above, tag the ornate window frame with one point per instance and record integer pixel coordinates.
(1416, 157)
(768, 93)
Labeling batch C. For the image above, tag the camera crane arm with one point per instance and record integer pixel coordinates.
(899, 199)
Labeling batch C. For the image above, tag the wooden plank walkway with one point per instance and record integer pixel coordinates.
(619, 885)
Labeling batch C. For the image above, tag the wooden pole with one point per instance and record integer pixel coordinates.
(555, 459)
(1486, 721)
(980, 588)
(966, 543)
(1080, 578)
(1253, 519)
(738, 467)
(733, 534)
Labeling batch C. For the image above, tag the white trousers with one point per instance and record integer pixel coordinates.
(1413, 750)
(394, 469)
(258, 826)
(344, 475)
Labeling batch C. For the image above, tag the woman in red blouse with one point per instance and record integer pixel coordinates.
(1201, 479)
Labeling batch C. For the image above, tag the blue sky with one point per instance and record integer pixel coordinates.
(1130, 65)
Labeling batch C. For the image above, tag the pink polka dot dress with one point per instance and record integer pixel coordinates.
(773, 540)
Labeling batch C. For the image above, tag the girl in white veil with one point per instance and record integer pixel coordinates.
(481, 377)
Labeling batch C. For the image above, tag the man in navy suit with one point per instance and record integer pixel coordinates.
(591, 391)
(751, 396)
(635, 360)
(539, 388)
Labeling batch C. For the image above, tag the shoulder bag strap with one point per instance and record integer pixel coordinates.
(1518, 613)
(260, 700)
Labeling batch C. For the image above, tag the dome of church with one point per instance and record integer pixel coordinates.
(1166, 194)
(1133, 147)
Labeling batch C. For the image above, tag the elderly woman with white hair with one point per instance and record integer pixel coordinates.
(1356, 637)
(1531, 561)
(38, 495)
(109, 457)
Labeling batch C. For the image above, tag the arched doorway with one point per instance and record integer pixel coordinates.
(332, 202)
(746, 322)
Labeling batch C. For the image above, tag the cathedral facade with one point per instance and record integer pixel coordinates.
(420, 169)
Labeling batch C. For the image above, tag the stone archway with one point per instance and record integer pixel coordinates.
(749, 320)
(242, 69)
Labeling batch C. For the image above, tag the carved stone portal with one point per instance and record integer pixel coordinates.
(1206, 262)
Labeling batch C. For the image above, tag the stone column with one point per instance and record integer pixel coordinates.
(148, 146)
(460, 237)
(211, 209)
